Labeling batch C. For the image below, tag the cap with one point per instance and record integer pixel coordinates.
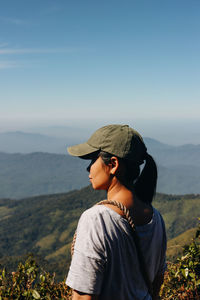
(119, 140)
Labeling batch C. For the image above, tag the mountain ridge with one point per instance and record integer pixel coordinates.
(37, 173)
(71, 136)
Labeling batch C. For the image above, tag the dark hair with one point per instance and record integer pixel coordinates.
(144, 182)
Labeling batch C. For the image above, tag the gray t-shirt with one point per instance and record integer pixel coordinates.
(105, 261)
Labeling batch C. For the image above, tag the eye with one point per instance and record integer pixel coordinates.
(91, 163)
(93, 160)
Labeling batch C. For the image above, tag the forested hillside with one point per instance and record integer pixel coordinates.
(45, 225)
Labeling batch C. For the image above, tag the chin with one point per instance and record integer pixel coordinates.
(95, 187)
(100, 188)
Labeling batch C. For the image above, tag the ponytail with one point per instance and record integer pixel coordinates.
(145, 186)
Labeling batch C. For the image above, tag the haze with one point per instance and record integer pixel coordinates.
(83, 64)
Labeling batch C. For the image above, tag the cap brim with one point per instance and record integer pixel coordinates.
(81, 150)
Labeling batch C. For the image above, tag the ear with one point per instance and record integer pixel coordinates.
(114, 165)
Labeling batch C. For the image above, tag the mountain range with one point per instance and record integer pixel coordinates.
(23, 142)
(28, 142)
(36, 173)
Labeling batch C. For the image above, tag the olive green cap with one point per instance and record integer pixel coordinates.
(119, 140)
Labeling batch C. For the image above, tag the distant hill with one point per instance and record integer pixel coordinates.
(179, 179)
(45, 225)
(23, 142)
(175, 245)
(31, 173)
(27, 142)
(187, 155)
(23, 175)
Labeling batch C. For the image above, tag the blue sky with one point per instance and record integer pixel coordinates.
(89, 63)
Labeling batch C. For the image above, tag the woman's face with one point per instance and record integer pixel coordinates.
(99, 174)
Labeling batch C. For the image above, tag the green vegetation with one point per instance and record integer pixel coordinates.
(179, 212)
(175, 246)
(45, 225)
(182, 279)
(29, 281)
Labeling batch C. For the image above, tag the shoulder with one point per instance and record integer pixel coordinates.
(93, 211)
(98, 222)
(98, 213)
(157, 217)
(91, 215)
(90, 237)
(91, 221)
(156, 226)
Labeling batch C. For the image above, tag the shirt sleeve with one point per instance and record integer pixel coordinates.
(88, 262)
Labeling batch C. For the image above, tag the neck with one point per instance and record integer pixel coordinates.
(141, 212)
(118, 192)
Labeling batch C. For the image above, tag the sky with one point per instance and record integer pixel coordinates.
(87, 63)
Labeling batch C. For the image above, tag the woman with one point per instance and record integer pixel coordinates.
(113, 258)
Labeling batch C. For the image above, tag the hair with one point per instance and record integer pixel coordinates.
(144, 182)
